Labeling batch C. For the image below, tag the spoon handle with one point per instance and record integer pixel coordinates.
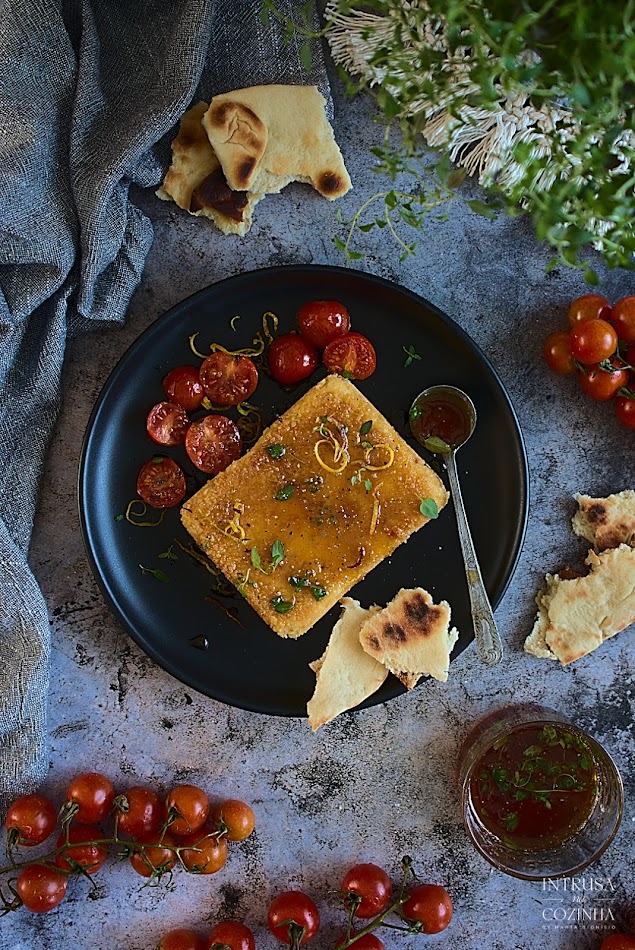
(488, 641)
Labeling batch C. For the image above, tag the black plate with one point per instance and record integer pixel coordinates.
(249, 666)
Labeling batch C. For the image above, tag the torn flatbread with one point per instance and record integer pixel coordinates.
(576, 616)
(268, 136)
(411, 636)
(346, 675)
(195, 179)
(606, 522)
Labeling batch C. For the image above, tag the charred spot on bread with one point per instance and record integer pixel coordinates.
(395, 632)
(214, 192)
(423, 615)
(245, 171)
(217, 115)
(596, 513)
(330, 183)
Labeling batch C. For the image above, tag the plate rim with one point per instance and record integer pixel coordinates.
(363, 277)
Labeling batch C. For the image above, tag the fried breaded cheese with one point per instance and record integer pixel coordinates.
(329, 490)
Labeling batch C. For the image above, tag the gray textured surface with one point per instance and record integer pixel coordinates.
(376, 784)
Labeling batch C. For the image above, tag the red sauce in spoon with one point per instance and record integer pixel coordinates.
(439, 418)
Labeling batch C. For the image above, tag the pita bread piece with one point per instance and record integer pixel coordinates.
(411, 636)
(346, 675)
(195, 179)
(576, 616)
(268, 136)
(606, 522)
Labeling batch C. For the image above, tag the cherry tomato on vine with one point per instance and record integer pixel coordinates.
(320, 321)
(291, 358)
(557, 353)
(208, 854)
(351, 355)
(431, 906)
(625, 411)
(623, 319)
(145, 812)
(602, 385)
(31, 819)
(369, 941)
(618, 942)
(227, 379)
(91, 857)
(593, 341)
(93, 793)
(167, 423)
(213, 443)
(192, 805)
(155, 859)
(183, 386)
(232, 934)
(629, 355)
(290, 913)
(161, 482)
(40, 887)
(181, 939)
(236, 817)
(589, 307)
(371, 885)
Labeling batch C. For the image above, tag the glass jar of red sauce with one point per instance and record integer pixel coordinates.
(541, 798)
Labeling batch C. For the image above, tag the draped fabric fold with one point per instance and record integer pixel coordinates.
(89, 94)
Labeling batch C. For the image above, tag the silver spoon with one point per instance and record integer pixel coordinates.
(452, 413)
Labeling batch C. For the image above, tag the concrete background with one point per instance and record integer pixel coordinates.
(376, 784)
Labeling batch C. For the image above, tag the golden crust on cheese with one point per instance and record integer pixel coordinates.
(334, 527)
(345, 674)
(411, 636)
(576, 616)
(606, 522)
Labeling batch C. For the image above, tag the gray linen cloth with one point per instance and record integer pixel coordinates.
(89, 97)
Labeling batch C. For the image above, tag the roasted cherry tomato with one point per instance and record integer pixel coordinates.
(232, 934)
(623, 319)
(589, 307)
(156, 859)
(208, 854)
(167, 423)
(228, 380)
(618, 942)
(192, 805)
(181, 939)
(431, 906)
(143, 812)
(351, 355)
(93, 794)
(40, 887)
(368, 888)
(91, 857)
(625, 410)
(320, 321)
(601, 384)
(593, 341)
(291, 358)
(31, 819)
(234, 819)
(183, 386)
(161, 482)
(557, 353)
(293, 912)
(213, 443)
